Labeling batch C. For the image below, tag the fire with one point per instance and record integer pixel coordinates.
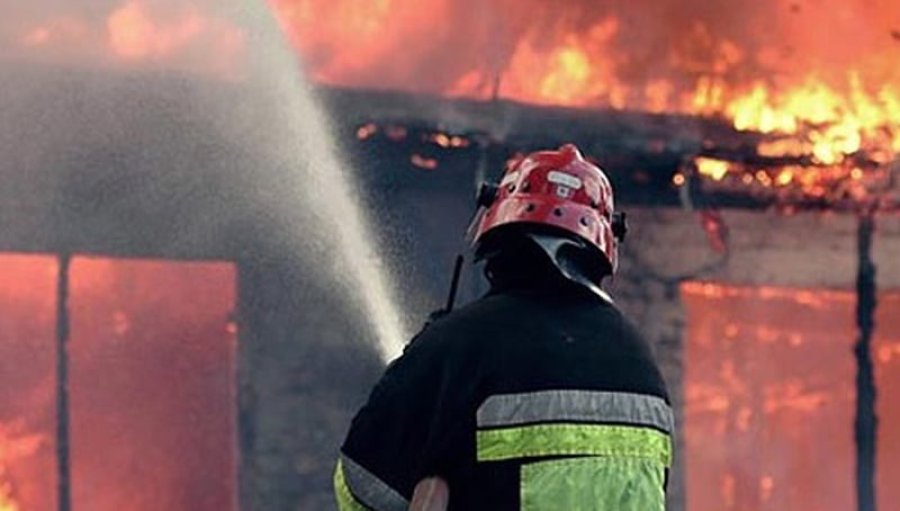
(129, 321)
(821, 142)
(37, 36)
(7, 498)
(572, 73)
(815, 85)
(62, 30)
(139, 31)
(829, 124)
(134, 34)
(715, 169)
(446, 141)
(366, 131)
(823, 90)
(768, 379)
(16, 444)
(423, 162)
(195, 35)
(343, 40)
(7, 503)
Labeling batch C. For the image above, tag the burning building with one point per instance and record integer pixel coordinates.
(170, 333)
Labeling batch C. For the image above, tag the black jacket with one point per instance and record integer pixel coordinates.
(516, 379)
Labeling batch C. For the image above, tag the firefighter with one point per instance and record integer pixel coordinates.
(539, 395)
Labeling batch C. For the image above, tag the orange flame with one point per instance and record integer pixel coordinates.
(577, 72)
(713, 168)
(15, 445)
(134, 34)
(830, 125)
(423, 162)
(820, 83)
(7, 503)
(189, 36)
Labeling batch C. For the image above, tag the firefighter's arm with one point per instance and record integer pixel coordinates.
(431, 494)
(396, 445)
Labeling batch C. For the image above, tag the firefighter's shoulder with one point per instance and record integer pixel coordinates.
(444, 327)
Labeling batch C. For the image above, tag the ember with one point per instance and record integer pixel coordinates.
(367, 130)
(423, 162)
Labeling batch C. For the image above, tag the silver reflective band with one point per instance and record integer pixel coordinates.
(370, 490)
(577, 406)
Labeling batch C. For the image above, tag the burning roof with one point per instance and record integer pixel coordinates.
(813, 84)
(769, 65)
(815, 81)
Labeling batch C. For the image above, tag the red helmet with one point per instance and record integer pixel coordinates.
(559, 189)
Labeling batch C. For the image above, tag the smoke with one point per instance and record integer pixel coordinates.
(243, 131)
(183, 129)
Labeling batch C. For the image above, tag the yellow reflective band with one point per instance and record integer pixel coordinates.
(593, 483)
(345, 499)
(573, 440)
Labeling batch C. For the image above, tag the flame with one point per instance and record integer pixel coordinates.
(7, 501)
(367, 130)
(134, 34)
(818, 84)
(887, 351)
(715, 169)
(577, 56)
(830, 105)
(138, 31)
(423, 162)
(825, 143)
(62, 30)
(768, 379)
(116, 307)
(16, 445)
(577, 72)
(828, 124)
(343, 39)
(188, 36)
(830, 100)
(766, 485)
(447, 141)
(37, 37)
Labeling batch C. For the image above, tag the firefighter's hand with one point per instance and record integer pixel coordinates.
(430, 494)
(436, 315)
